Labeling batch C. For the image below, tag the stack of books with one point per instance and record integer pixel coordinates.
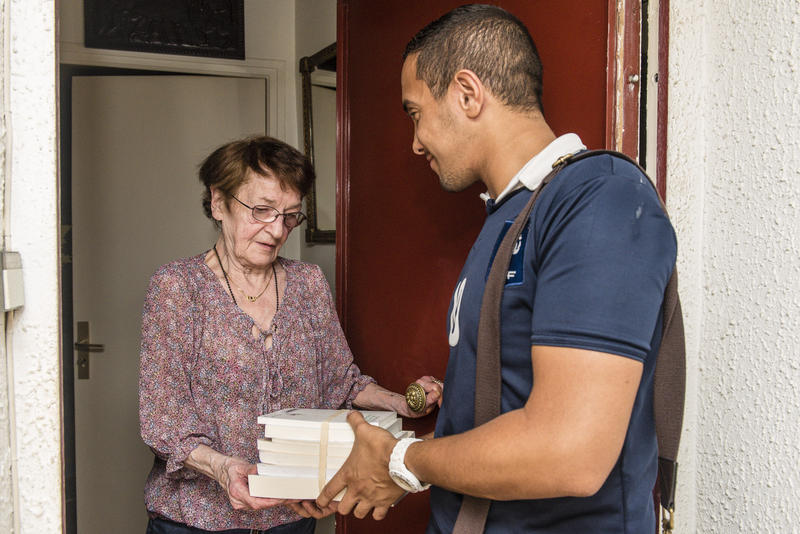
(303, 448)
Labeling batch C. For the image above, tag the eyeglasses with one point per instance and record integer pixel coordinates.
(268, 214)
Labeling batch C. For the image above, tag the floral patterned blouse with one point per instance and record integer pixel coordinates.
(204, 379)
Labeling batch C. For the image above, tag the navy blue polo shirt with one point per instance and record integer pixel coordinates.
(588, 272)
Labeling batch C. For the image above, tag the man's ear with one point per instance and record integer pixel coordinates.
(470, 91)
(217, 203)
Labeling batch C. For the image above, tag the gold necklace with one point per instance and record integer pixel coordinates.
(248, 297)
(255, 298)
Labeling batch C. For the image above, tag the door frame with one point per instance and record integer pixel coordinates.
(78, 61)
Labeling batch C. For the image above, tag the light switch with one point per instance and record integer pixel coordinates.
(13, 295)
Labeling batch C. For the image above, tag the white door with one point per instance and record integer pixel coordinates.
(137, 143)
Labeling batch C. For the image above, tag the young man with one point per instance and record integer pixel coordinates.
(575, 449)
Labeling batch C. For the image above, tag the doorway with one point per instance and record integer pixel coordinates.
(131, 142)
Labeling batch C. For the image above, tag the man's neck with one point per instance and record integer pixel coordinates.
(510, 146)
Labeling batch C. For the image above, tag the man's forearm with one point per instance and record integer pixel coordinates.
(499, 460)
(563, 442)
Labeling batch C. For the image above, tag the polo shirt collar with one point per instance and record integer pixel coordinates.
(534, 171)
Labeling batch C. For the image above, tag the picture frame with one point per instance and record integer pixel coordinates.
(207, 28)
(325, 60)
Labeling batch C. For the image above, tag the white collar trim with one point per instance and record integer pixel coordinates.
(534, 171)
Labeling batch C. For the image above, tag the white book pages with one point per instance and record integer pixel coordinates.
(277, 445)
(306, 423)
(336, 449)
(289, 459)
(313, 417)
(293, 471)
(287, 482)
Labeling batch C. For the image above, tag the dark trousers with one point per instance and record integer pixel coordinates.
(164, 526)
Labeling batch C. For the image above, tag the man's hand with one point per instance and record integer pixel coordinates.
(310, 509)
(365, 474)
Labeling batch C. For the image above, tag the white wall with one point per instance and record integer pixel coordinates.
(6, 454)
(734, 187)
(34, 331)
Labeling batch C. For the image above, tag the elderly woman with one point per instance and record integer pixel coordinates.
(235, 332)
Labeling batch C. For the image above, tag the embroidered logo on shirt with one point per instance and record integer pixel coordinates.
(516, 267)
(454, 313)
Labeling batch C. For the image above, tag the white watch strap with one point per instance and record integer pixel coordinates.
(397, 464)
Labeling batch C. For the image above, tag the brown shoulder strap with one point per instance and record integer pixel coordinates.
(669, 383)
(473, 512)
(670, 370)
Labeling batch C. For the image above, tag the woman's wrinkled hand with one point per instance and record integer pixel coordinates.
(231, 474)
(433, 397)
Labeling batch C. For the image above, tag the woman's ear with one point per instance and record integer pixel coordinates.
(218, 204)
(470, 91)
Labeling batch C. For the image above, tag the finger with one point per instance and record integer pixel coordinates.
(331, 489)
(426, 382)
(238, 506)
(346, 504)
(431, 385)
(332, 508)
(315, 511)
(242, 495)
(238, 492)
(356, 419)
(380, 512)
(262, 503)
(299, 509)
(310, 508)
(362, 510)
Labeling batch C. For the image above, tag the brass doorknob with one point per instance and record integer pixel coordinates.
(415, 397)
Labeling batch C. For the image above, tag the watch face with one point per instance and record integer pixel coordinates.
(401, 481)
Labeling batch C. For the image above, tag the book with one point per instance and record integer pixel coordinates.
(298, 460)
(288, 482)
(290, 453)
(304, 424)
(306, 453)
(277, 445)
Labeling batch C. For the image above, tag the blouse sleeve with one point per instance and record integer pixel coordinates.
(342, 380)
(168, 416)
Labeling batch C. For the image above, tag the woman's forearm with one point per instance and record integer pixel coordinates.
(207, 461)
(375, 397)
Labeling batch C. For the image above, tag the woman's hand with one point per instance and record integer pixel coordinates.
(433, 397)
(375, 397)
(231, 473)
(232, 476)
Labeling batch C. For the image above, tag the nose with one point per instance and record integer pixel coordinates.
(276, 227)
(416, 146)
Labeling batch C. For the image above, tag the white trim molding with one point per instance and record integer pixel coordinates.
(271, 70)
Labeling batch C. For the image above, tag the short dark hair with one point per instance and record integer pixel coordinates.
(487, 40)
(226, 168)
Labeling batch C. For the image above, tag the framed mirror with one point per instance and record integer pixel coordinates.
(319, 141)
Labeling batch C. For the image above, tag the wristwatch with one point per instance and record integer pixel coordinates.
(398, 470)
